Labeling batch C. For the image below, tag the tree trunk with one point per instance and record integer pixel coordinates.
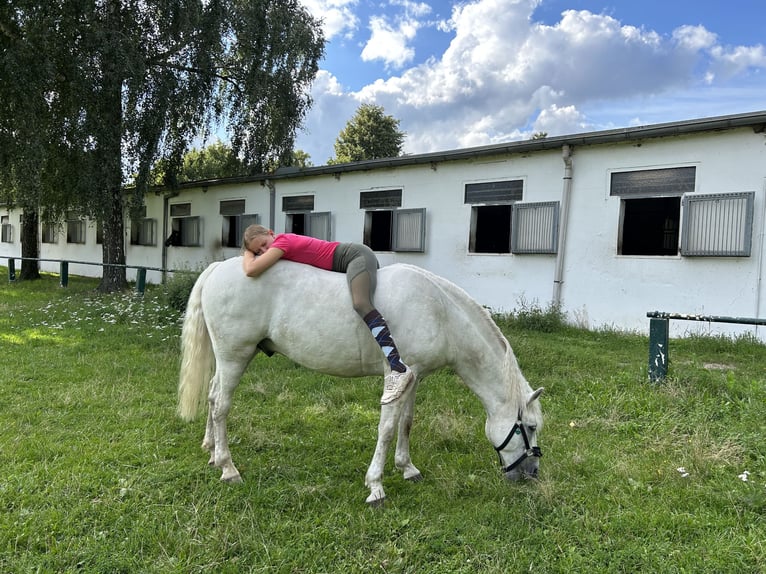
(30, 268)
(113, 277)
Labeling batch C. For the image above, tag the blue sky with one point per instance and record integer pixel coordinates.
(477, 72)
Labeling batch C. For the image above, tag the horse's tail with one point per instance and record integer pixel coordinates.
(197, 358)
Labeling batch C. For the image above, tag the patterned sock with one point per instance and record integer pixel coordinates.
(379, 329)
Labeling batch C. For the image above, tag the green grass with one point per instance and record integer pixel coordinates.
(99, 475)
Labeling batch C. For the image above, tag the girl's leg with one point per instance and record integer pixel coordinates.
(361, 285)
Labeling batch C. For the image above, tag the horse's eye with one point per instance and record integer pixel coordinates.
(532, 428)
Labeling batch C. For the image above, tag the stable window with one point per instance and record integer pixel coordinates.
(535, 227)
(49, 233)
(186, 229)
(718, 225)
(301, 219)
(143, 232)
(387, 228)
(7, 229)
(650, 210)
(491, 214)
(235, 221)
(75, 228)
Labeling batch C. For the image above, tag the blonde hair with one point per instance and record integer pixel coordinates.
(251, 232)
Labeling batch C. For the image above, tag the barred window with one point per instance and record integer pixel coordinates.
(7, 229)
(143, 231)
(535, 227)
(718, 225)
(650, 208)
(492, 204)
(75, 228)
(395, 230)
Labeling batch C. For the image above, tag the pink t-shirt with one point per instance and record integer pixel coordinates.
(304, 249)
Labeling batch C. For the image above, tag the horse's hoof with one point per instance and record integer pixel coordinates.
(236, 479)
(376, 503)
(415, 478)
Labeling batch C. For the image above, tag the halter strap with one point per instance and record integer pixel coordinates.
(528, 451)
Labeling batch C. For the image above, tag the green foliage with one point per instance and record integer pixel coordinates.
(212, 162)
(100, 475)
(370, 134)
(534, 317)
(93, 89)
(178, 288)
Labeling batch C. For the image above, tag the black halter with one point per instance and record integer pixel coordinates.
(518, 428)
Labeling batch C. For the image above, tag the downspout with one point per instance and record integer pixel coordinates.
(762, 247)
(272, 202)
(558, 277)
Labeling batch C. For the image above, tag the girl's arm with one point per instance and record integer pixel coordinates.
(254, 266)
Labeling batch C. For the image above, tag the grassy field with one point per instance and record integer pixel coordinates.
(99, 475)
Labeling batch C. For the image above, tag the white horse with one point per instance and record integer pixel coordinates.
(306, 314)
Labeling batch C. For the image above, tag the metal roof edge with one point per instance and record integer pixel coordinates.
(715, 123)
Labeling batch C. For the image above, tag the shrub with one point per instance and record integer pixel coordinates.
(178, 288)
(534, 317)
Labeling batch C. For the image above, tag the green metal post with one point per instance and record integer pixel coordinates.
(141, 281)
(64, 273)
(658, 348)
(11, 270)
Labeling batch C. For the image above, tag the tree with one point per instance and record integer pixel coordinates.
(301, 158)
(212, 162)
(370, 134)
(116, 85)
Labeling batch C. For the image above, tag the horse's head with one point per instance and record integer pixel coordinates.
(517, 447)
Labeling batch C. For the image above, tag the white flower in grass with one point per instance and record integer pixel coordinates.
(682, 471)
(743, 476)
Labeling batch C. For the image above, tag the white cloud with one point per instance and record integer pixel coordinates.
(337, 16)
(389, 43)
(391, 35)
(505, 77)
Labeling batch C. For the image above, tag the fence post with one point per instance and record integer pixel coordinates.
(64, 274)
(141, 280)
(658, 348)
(11, 270)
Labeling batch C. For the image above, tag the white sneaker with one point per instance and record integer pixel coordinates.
(394, 385)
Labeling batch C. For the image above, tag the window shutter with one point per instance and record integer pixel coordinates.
(535, 227)
(494, 191)
(319, 225)
(717, 225)
(409, 230)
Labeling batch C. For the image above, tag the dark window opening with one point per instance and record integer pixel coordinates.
(377, 235)
(650, 226)
(297, 222)
(491, 229)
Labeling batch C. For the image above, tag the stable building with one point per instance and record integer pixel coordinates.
(609, 225)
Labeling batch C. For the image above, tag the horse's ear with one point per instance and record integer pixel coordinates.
(535, 395)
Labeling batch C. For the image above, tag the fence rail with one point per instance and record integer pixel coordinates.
(659, 329)
(64, 269)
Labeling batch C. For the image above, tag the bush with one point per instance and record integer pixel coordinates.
(534, 317)
(178, 288)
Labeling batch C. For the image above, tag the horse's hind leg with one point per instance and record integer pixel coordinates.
(402, 458)
(226, 379)
(208, 443)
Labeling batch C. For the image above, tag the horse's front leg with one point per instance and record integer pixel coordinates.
(402, 458)
(389, 414)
